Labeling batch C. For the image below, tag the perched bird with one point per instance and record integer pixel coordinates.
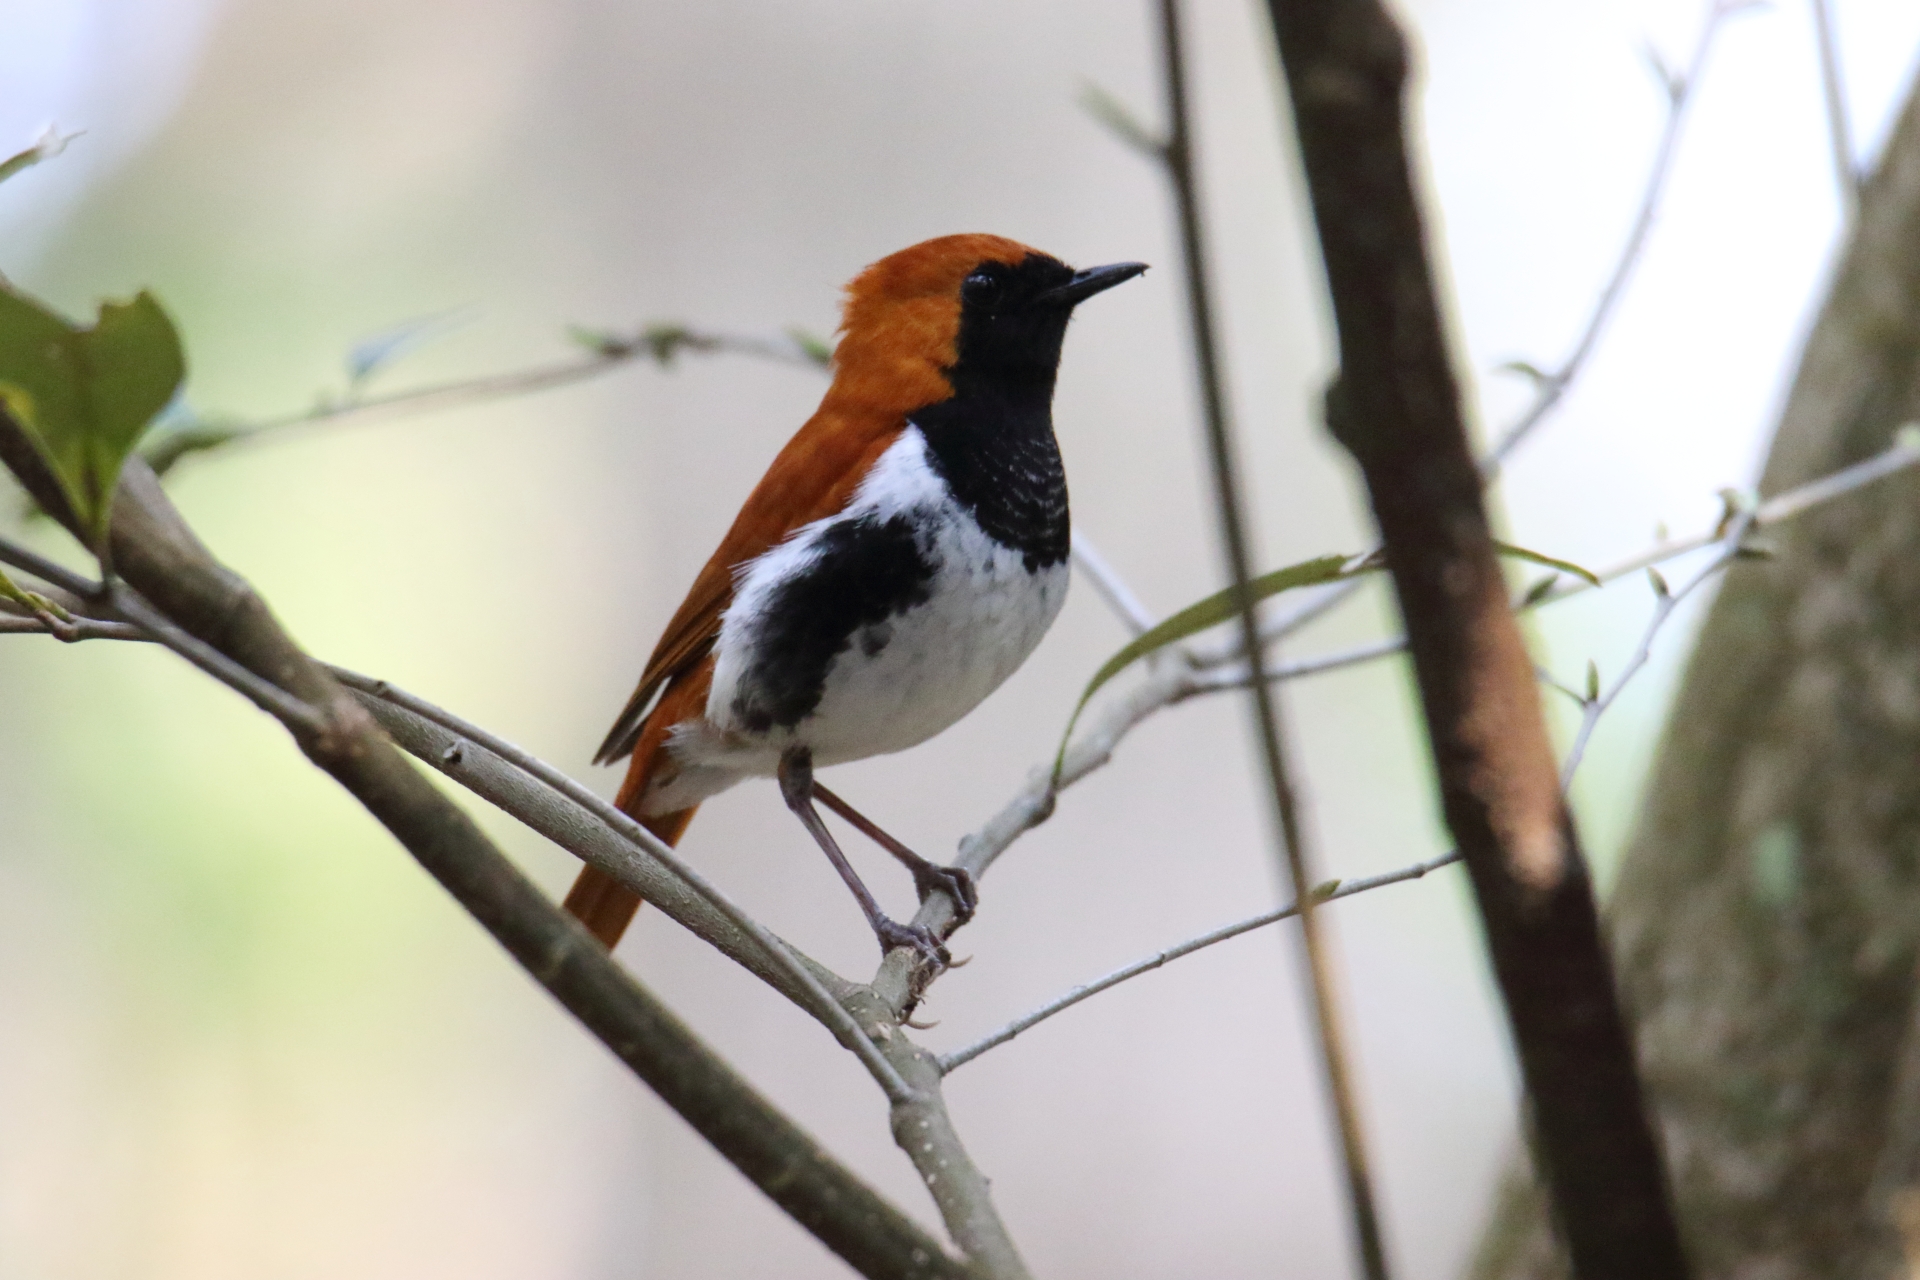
(901, 557)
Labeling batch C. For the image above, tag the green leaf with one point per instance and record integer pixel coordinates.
(1593, 681)
(1121, 122)
(1660, 587)
(812, 346)
(1539, 591)
(601, 342)
(1545, 562)
(1217, 608)
(84, 396)
(1526, 369)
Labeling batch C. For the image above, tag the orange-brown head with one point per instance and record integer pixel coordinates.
(914, 316)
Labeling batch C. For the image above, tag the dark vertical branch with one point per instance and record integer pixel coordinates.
(1322, 987)
(1395, 406)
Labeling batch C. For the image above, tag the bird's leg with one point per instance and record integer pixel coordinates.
(797, 788)
(928, 877)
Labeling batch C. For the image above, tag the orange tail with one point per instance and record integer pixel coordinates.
(597, 900)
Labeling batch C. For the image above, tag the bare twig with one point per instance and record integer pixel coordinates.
(564, 811)
(1104, 729)
(658, 343)
(1903, 453)
(77, 629)
(1297, 859)
(1846, 169)
(925, 1131)
(128, 605)
(1325, 893)
(1666, 600)
(160, 557)
(814, 996)
(1549, 387)
(560, 809)
(584, 834)
(269, 697)
(1395, 405)
(1110, 586)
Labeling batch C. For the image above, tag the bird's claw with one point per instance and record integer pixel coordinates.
(893, 934)
(955, 882)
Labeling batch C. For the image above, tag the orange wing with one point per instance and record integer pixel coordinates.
(813, 477)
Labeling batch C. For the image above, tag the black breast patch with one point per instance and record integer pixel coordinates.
(865, 572)
(997, 454)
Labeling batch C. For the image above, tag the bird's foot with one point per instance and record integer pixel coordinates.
(893, 934)
(955, 882)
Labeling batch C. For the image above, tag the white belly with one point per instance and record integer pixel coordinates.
(945, 614)
(939, 659)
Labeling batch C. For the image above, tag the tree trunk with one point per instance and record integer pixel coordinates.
(1768, 912)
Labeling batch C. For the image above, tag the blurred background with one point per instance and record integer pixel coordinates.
(242, 1036)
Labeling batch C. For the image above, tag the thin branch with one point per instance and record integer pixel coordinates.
(921, 1125)
(1846, 169)
(77, 629)
(1666, 601)
(815, 997)
(1110, 586)
(1897, 457)
(581, 832)
(553, 805)
(128, 605)
(1550, 387)
(1104, 729)
(1326, 893)
(658, 343)
(160, 556)
(58, 575)
(579, 821)
(1297, 858)
(924, 1130)
(269, 697)
(803, 979)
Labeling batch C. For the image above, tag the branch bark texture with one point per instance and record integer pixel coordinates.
(160, 557)
(1395, 406)
(1767, 918)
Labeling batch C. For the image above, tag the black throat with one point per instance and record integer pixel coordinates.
(998, 456)
(992, 441)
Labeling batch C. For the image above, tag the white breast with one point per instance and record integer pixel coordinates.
(897, 682)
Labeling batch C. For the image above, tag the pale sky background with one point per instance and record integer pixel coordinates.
(241, 1036)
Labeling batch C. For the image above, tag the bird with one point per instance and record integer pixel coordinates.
(904, 554)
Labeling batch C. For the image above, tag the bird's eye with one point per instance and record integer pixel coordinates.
(981, 287)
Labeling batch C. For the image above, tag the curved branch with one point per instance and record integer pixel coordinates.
(158, 555)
